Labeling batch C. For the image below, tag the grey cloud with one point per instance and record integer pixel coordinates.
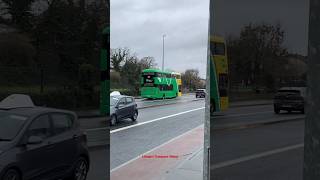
(140, 24)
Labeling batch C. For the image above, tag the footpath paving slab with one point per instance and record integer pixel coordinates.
(190, 169)
(157, 163)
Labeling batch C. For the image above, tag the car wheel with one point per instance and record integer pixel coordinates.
(196, 96)
(81, 169)
(135, 116)
(11, 174)
(277, 111)
(113, 120)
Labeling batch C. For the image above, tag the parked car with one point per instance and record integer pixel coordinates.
(290, 99)
(122, 107)
(200, 93)
(40, 143)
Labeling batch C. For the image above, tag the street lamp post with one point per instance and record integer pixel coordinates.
(163, 36)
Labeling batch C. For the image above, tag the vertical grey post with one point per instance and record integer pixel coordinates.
(163, 36)
(207, 136)
(311, 167)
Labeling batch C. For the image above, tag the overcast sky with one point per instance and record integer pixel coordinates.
(140, 24)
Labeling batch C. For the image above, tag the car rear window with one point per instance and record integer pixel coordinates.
(129, 100)
(61, 122)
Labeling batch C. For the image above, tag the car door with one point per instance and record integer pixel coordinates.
(36, 159)
(122, 108)
(65, 142)
(130, 106)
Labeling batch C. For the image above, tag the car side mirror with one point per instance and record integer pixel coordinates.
(35, 140)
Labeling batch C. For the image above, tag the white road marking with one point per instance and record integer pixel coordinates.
(154, 120)
(255, 156)
(171, 140)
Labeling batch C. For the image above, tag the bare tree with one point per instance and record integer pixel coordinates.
(118, 57)
(191, 79)
(147, 62)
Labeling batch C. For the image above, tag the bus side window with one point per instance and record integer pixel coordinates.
(223, 85)
(171, 87)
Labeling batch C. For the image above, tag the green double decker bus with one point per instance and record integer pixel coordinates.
(157, 84)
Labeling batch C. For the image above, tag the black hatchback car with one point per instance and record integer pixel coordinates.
(200, 93)
(41, 143)
(122, 107)
(290, 99)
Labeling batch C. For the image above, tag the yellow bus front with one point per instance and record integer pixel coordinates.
(220, 61)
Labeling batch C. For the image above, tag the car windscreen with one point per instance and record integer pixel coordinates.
(113, 101)
(10, 125)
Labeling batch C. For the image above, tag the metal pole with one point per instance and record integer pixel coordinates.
(207, 137)
(311, 166)
(163, 36)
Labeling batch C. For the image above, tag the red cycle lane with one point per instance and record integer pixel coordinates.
(155, 164)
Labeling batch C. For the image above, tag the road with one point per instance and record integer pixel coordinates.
(268, 152)
(99, 166)
(154, 127)
(273, 151)
(146, 134)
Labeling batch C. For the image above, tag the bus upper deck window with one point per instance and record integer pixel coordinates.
(218, 48)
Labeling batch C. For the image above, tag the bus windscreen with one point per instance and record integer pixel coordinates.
(148, 79)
